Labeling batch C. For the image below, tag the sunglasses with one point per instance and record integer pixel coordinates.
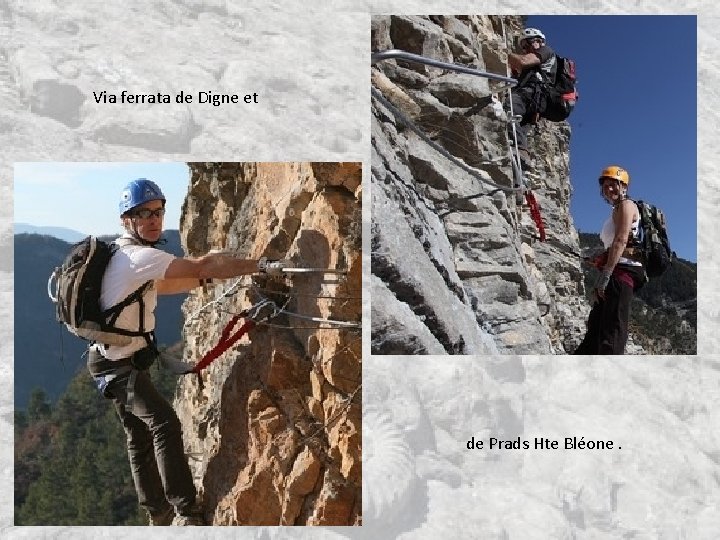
(145, 213)
(530, 41)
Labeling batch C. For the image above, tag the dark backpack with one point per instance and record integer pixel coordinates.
(654, 244)
(562, 93)
(78, 282)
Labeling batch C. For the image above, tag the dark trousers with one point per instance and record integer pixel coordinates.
(154, 438)
(527, 102)
(607, 326)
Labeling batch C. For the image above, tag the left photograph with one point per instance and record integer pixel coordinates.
(188, 343)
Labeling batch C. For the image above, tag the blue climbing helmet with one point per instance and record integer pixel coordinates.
(139, 192)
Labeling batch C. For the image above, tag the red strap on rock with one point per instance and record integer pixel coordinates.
(226, 341)
(535, 213)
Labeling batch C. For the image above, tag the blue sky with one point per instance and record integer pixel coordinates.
(85, 196)
(637, 78)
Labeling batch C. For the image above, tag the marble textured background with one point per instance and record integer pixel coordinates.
(310, 68)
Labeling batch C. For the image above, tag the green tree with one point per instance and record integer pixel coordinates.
(84, 477)
(38, 406)
(21, 422)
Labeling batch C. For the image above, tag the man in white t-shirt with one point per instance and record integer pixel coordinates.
(154, 437)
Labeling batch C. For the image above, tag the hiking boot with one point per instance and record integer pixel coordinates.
(525, 159)
(190, 516)
(163, 518)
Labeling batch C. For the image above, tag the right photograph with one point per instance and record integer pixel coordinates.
(534, 185)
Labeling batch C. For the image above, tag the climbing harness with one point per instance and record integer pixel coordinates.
(112, 370)
(228, 339)
(258, 314)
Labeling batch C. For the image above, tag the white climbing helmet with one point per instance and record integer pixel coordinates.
(530, 33)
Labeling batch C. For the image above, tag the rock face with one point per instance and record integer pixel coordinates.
(457, 264)
(275, 422)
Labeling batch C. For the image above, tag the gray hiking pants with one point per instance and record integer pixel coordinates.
(154, 438)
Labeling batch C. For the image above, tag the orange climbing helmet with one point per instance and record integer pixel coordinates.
(616, 173)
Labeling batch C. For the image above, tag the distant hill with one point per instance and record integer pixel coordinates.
(664, 311)
(39, 340)
(63, 233)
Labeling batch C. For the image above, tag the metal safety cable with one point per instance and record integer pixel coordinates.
(235, 287)
(226, 293)
(403, 55)
(514, 151)
(447, 155)
(333, 322)
(410, 57)
(228, 338)
(515, 155)
(345, 324)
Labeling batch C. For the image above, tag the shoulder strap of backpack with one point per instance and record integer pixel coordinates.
(548, 79)
(137, 295)
(645, 214)
(559, 61)
(632, 240)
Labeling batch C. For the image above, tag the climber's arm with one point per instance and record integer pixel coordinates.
(177, 286)
(519, 62)
(186, 273)
(622, 218)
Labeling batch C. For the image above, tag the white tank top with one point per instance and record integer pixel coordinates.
(607, 235)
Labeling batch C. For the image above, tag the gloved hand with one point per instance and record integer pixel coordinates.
(602, 283)
(272, 268)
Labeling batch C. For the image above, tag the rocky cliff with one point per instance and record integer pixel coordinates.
(274, 425)
(457, 265)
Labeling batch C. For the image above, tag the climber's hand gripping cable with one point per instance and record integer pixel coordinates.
(272, 268)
